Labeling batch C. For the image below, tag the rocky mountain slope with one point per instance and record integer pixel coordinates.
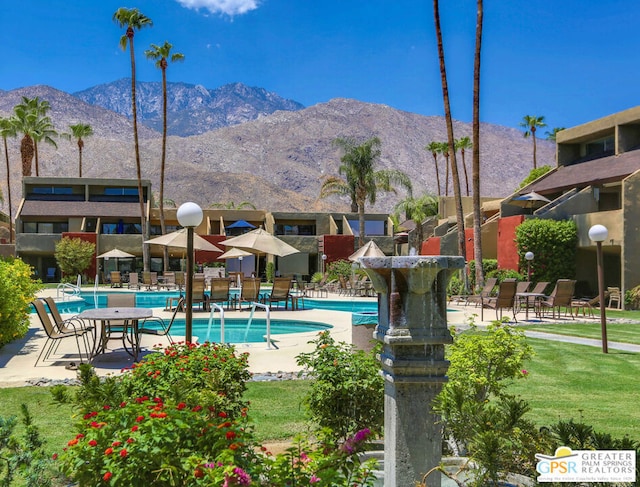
(277, 161)
(191, 109)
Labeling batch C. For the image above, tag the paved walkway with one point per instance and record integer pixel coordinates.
(17, 359)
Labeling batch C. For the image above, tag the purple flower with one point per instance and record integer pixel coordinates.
(314, 479)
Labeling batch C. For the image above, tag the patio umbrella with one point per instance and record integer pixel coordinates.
(370, 249)
(178, 239)
(241, 224)
(530, 200)
(259, 241)
(234, 253)
(116, 254)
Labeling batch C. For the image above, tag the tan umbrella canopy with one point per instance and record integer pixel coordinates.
(370, 249)
(234, 253)
(529, 200)
(260, 241)
(178, 239)
(116, 254)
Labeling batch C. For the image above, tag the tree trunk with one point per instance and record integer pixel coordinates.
(165, 250)
(451, 140)
(143, 219)
(26, 154)
(6, 156)
(446, 177)
(80, 146)
(35, 152)
(466, 176)
(477, 215)
(435, 162)
(533, 134)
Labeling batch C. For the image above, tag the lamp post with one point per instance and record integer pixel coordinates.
(189, 216)
(599, 233)
(324, 259)
(240, 260)
(529, 257)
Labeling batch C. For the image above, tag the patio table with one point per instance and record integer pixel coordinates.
(130, 317)
(527, 297)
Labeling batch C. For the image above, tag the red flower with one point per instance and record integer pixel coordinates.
(123, 404)
(116, 443)
(130, 440)
(93, 443)
(222, 414)
(196, 409)
(198, 473)
(79, 435)
(72, 442)
(230, 435)
(134, 428)
(106, 407)
(181, 406)
(139, 419)
(108, 451)
(123, 453)
(107, 476)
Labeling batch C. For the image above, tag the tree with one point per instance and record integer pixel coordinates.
(554, 131)
(74, 255)
(531, 124)
(434, 148)
(133, 20)
(450, 138)
(418, 209)
(7, 129)
(444, 150)
(361, 182)
(461, 145)
(24, 120)
(232, 206)
(475, 134)
(79, 131)
(43, 131)
(161, 55)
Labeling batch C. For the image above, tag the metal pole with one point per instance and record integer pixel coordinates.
(603, 313)
(189, 285)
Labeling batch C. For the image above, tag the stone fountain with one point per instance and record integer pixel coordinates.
(412, 325)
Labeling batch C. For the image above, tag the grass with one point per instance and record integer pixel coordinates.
(616, 332)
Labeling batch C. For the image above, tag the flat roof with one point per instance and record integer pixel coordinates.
(79, 209)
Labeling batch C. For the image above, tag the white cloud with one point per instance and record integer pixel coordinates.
(229, 7)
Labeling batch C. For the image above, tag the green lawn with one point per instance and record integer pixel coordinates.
(616, 332)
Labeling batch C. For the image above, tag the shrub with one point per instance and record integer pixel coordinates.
(503, 274)
(270, 271)
(17, 290)
(488, 265)
(74, 255)
(347, 394)
(554, 245)
(535, 174)
(339, 268)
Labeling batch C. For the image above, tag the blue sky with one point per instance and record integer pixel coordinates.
(571, 60)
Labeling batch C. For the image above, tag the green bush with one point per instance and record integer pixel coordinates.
(535, 174)
(17, 290)
(270, 271)
(502, 274)
(347, 394)
(74, 255)
(488, 265)
(339, 268)
(554, 245)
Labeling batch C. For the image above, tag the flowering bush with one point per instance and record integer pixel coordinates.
(151, 442)
(17, 290)
(347, 394)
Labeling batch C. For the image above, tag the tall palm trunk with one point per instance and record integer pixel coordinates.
(477, 215)
(435, 162)
(361, 198)
(35, 152)
(80, 147)
(26, 154)
(533, 135)
(452, 154)
(446, 177)
(6, 156)
(162, 163)
(143, 220)
(466, 176)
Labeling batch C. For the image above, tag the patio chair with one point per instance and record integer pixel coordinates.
(68, 324)
(221, 292)
(180, 280)
(250, 291)
(198, 293)
(116, 279)
(116, 329)
(169, 280)
(55, 335)
(486, 291)
(614, 297)
(562, 296)
(149, 279)
(162, 328)
(529, 302)
(133, 280)
(505, 299)
(280, 292)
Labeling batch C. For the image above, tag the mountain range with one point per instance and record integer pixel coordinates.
(239, 143)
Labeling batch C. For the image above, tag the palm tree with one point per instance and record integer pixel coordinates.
(79, 132)
(434, 148)
(133, 20)
(554, 131)
(444, 150)
(43, 131)
(161, 55)
(475, 168)
(7, 129)
(232, 206)
(461, 145)
(531, 124)
(450, 139)
(361, 182)
(418, 209)
(24, 120)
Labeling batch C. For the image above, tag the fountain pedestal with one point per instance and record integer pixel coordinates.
(412, 325)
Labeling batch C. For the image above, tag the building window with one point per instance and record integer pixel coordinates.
(45, 227)
(371, 227)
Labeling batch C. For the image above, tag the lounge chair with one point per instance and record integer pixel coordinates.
(71, 329)
(486, 291)
(116, 279)
(221, 292)
(281, 291)
(133, 280)
(162, 328)
(250, 291)
(505, 299)
(562, 296)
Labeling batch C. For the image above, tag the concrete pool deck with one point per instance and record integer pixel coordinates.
(17, 359)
